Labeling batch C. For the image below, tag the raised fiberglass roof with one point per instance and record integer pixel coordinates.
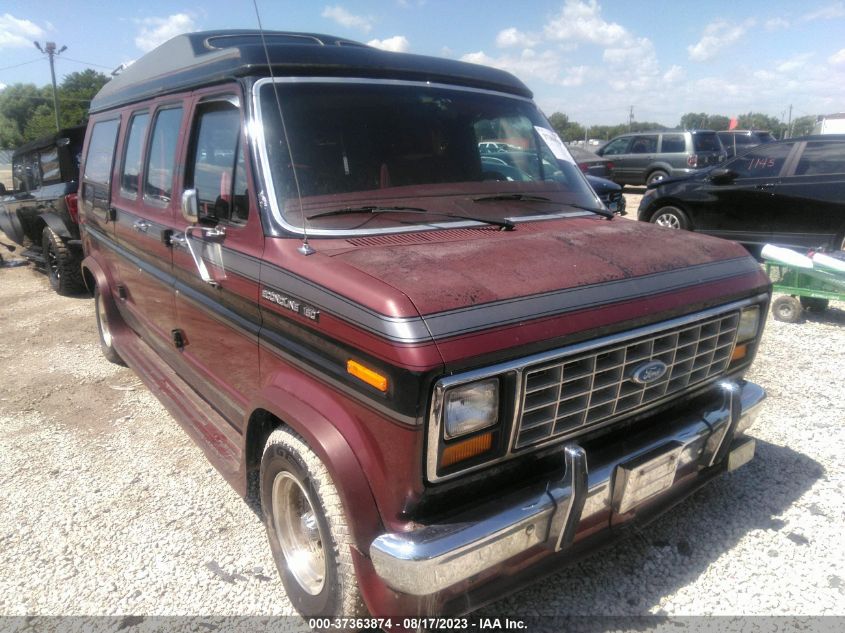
(204, 58)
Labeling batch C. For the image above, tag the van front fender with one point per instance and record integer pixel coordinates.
(307, 407)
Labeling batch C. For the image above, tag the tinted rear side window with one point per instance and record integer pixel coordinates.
(101, 152)
(161, 160)
(673, 143)
(50, 169)
(822, 157)
(706, 142)
(131, 172)
(761, 162)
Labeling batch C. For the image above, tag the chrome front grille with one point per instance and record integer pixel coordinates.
(570, 393)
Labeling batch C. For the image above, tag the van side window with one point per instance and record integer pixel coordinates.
(161, 158)
(130, 173)
(98, 164)
(217, 164)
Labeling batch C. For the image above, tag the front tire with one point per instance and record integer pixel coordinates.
(670, 217)
(63, 265)
(307, 529)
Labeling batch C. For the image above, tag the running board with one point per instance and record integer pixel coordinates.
(210, 430)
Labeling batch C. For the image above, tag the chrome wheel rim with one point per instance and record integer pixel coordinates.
(298, 532)
(103, 321)
(667, 219)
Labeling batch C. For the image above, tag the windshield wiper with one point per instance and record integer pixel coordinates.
(505, 225)
(524, 197)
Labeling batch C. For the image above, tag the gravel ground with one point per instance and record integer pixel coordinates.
(109, 509)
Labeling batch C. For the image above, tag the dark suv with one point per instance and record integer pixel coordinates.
(41, 213)
(737, 141)
(790, 193)
(647, 157)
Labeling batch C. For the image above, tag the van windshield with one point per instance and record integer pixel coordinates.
(367, 142)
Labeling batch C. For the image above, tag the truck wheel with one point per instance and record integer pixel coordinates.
(670, 217)
(104, 330)
(814, 304)
(63, 265)
(656, 176)
(787, 309)
(307, 529)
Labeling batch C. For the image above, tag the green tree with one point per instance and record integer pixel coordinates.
(803, 125)
(26, 111)
(559, 122)
(760, 121)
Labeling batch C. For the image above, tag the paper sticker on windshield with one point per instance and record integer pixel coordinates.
(553, 142)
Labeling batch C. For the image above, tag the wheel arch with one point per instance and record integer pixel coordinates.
(279, 406)
(94, 275)
(55, 222)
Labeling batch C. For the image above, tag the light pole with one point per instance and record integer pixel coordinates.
(50, 50)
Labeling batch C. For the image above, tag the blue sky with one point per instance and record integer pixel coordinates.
(591, 59)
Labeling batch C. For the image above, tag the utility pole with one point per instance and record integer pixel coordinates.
(789, 123)
(630, 117)
(50, 51)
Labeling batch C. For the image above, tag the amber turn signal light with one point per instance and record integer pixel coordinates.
(459, 451)
(372, 378)
(740, 352)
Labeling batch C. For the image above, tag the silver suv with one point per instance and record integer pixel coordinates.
(646, 157)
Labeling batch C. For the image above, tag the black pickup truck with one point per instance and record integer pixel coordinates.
(41, 213)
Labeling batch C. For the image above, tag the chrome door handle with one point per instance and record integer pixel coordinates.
(179, 240)
(142, 226)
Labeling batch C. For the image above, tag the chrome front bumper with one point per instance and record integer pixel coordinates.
(435, 557)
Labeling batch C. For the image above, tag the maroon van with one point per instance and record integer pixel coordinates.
(441, 376)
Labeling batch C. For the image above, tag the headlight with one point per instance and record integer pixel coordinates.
(749, 322)
(471, 407)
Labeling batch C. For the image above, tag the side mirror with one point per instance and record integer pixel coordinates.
(190, 211)
(723, 176)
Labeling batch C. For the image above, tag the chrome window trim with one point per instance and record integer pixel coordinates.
(271, 200)
(518, 366)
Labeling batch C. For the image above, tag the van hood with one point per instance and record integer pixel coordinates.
(463, 281)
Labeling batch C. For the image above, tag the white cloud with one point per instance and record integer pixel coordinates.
(838, 58)
(582, 21)
(347, 19)
(717, 35)
(396, 44)
(674, 74)
(545, 66)
(16, 32)
(513, 37)
(2, 87)
(829, 12)
(574, 76)
(773, 24)
(796, 62)
(155, 31)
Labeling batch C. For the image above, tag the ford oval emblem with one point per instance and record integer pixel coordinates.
(649, 372)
